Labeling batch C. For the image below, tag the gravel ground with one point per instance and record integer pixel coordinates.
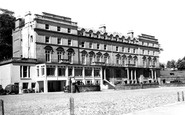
(110, 102)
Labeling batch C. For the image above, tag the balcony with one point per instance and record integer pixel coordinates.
(99, 63)
(131, 65)
(64, 61)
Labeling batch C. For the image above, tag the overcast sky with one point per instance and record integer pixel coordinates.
(164, 19)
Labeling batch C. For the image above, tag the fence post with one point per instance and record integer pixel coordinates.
(182, 96)
(2, 107)
(71, 106)
(178, 96)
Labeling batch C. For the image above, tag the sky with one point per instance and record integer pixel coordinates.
(164, 19)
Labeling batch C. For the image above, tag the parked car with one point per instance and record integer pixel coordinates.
(12, 88)
(2, 91)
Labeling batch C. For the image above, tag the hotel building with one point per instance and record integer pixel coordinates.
(49, 49)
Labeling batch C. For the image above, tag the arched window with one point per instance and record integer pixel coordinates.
(48, 51)
(70, 54)
(98, 56)
(60, 53)
(84, 54)
(106, 56)
(135, 60)
(91, 57)
(118, 59)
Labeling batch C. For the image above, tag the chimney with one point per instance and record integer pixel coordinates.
(131, 34)
(103, 28)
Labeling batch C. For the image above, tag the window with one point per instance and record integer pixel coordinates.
(50, 70)
(105, 47)
(97, 82)
(91, 59)
(89, 82)
(117, 60)
(128, 60)
(37, 70)
(88, 71)
(59, 53)
(42, 70)
(31, 38)
(78, 71)
(123, 61)
(58, 28)
(61, 71)
(154, 62)
(59, 41)
(33, 85)
(123, 49)
(83, 59)
(98, 46)
(106, 59)
(90, 34)
(135, 61)
(24, 71)
(98, 59)
(143, 51)
(128, 50)
(70, 57)
(46, 26)
(69, 43)
(48, 55)
(97, 72)
(25, 85)
(70, 71)
(47, 39)
(83, 44)
(144, 62)
(117, 48)
(134, 50)
(68, 30)
(90, 45)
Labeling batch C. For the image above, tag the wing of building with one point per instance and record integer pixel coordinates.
(48, 49)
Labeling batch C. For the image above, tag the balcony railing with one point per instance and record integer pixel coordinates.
(131, 65)
(99, 63)
(64, 61)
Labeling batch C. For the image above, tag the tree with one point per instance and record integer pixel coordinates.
(168, 65)
(162, 66)
(171, 64)
(7, 24)
(181, 64)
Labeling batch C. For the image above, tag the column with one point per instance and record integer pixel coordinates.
(135, 78)
(36, 87)
(128, 81)
(105, 74)
(83, 75)
(155, 75)
(56, 72)
(131, 76)
(93, 78)
(101, 80)
(73, 71)
(45, 86)
(67, 76)
(152, 75)
(20, 87)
